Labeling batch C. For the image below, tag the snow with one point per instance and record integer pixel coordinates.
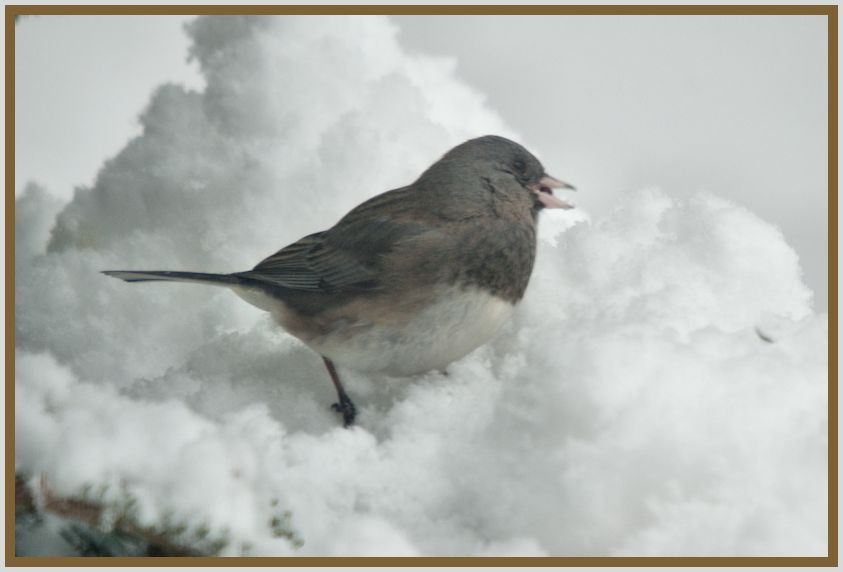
(630, 408)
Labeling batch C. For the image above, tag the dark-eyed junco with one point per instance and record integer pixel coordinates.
(411, 279)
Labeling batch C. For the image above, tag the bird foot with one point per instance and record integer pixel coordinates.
(346, 408)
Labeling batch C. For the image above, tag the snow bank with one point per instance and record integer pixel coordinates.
(631, 408)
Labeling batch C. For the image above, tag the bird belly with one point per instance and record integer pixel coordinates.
(397, 337)
(431, 337)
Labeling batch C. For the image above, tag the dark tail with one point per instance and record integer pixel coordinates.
(168, 276)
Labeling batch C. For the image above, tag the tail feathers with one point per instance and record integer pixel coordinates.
(171, 276)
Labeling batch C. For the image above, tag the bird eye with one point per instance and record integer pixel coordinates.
(520, 165)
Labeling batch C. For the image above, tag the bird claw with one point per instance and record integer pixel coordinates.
(346, 408)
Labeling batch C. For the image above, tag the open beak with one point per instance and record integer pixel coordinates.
(544, 192)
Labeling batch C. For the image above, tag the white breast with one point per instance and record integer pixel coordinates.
(456, 322)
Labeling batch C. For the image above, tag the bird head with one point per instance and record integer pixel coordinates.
(492, 154)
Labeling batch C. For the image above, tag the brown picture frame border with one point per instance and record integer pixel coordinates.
(828, 10)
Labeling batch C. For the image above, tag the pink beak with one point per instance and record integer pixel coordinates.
(545, 194)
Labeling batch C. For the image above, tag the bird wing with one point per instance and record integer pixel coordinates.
(348, 256)
(310, 264)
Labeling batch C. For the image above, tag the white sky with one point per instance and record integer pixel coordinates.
(732, 105)
(80, 83)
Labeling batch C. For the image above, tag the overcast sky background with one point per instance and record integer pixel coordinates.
(732, 105)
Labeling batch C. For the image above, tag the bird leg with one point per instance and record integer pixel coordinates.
(344, 406)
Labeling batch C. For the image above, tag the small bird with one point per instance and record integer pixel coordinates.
(411, 279)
